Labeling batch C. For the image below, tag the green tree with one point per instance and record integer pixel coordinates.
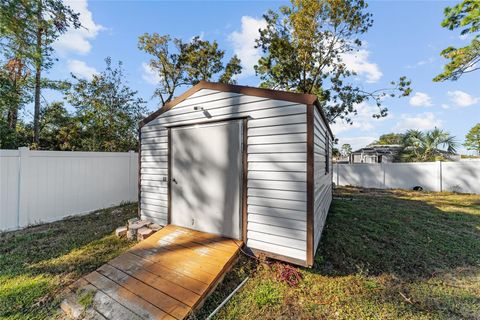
(346, 149)
(107, 111)
(466, 16)
(390, 138)
(179, 63)
(14, 93)
(59, 130)
(432, 145)
(335, 152)
(15, 84)
(28, 29)
(472, 139)
(304, 46)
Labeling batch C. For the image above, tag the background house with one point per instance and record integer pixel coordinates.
(375, 154)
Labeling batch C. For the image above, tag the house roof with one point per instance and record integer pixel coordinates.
(301, 98)
(384, 149)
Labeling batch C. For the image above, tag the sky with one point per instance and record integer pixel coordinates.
(405, 40)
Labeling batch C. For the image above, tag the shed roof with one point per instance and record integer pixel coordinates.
(302, 98)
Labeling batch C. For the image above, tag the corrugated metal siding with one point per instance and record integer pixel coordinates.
(323, 179)
(276, 165)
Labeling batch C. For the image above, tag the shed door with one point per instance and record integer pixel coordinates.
(206, 177)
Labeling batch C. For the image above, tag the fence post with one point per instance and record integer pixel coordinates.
(23, 194)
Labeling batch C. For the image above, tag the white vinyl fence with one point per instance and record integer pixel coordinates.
(45, 186)
(461, 176)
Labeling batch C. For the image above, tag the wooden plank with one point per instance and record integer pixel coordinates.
(165, 276)
(133, 266)
(159, 255)
(163, 272)
(111, 309)
(175, 308)
(183, 257)
(214, 241)
(190, 239)
(186, 269)
(210, 240)
(126, 298)
(165, 252)
(102, 303)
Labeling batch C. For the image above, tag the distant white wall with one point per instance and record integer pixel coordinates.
(461, 176)
(45, 186)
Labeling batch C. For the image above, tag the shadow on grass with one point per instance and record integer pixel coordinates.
(384, 254)
(38, 261)
(409, 235)
(403, 254)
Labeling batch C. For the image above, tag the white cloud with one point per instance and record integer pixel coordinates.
(149, 75)
(81, 69)
(358, 62)
(356, 142)
(420, 63)
(421, 99)
(462, 99)
(426, 61)
(420, 121)
(78, 40)
(363, 121)
(243, 42)
(445, 106)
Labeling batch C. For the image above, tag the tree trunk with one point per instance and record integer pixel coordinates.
(13, 111)
(36, 113)
(38, 77)
(12, 118)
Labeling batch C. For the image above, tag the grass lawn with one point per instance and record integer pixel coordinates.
(37, 262)
(383, 255)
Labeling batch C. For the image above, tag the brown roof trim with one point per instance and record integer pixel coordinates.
(301, 98)
(310, 185)
(324, 117)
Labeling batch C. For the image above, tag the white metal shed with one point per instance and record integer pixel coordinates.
(247, 163)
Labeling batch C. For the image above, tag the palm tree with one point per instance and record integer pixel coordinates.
(432, 145)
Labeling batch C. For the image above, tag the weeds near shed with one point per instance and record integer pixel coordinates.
(288, 274)
(86, 298)
(267, 294)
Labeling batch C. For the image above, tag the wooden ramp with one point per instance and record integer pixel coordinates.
(164, 277)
